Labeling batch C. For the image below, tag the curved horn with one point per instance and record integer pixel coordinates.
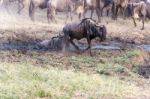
(99, 25)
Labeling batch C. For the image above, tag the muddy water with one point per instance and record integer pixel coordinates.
(109, 46)
(146, 47)
(114, 45)
(11, 46)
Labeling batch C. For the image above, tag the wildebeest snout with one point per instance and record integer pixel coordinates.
(102, 32)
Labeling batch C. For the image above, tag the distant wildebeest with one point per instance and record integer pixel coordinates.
(80, 11)
(129, 7)
(34, 4)
(119, 5)
(97, 5)
(141, 10)
(52, 6)
(92, 5)
(87, 28)
(67, 6)
(106, 4)
(21, 4)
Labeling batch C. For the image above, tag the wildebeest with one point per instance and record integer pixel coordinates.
(91, 5)
(106, 4)
(97, 5)
(142, 10)
(21, 4)
(80, 11)
(34, 4)
(87, 28)
(119, 5)
(52, 6)
(129, 7)
(67, 6)
(55, 43)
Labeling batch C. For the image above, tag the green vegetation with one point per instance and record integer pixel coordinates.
(70, 77)
(26, 81)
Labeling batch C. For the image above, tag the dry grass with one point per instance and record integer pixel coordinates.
(123, 30)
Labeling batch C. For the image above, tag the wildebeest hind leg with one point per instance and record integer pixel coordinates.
(134, 21)
(20, 7)
(89, 46)
(99, 13)
(92, 11)
(71, 41)
(143, 19)
(66, 45)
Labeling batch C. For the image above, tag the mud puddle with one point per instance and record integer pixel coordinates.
(18, 46)
(105, 46)
(112, 45)
(146, 47)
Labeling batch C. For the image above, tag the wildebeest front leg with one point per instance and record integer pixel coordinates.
(124, 11)
(143, 19)
(51, 13)
(20, 6)
(134, 21)
(66, 44)
(89, 46)
(98, 12)
(92, 11)
(116, 11)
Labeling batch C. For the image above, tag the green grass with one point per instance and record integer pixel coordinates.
(46, 75)
(24, 81)
(110, 69)
(125, 58)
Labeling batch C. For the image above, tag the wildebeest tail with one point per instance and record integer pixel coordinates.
(31, 8)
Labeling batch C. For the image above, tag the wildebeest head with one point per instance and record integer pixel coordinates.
(100, 31)
(103, 32)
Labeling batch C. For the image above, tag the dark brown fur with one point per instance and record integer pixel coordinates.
(87, 28)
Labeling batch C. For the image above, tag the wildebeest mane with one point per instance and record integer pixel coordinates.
(88, 25)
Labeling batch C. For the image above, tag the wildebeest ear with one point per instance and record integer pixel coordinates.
(98, 25)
